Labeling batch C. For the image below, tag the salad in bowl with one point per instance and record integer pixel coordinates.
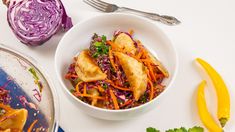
(116, 74)
(112, 73)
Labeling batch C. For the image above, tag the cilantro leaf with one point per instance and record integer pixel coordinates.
(72, 90)
(151, 129)
(104, 38)
(196, 129)
(104, 85)
(98, 44)
(127, 84)
(182, 129)
(95, 55)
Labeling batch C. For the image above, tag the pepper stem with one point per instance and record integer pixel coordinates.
(223, 121)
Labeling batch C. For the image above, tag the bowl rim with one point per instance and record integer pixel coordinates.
(99, 16)
(39, 68)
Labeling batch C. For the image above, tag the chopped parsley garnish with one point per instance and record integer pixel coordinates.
(101, 47)
(143, 98)
(105, 86)
(72, 90)
(76, 81)
(104, 39)
(95, 55)
(127, 84)
(112, 70)
(119, 100)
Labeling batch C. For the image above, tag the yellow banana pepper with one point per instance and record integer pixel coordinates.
(223, 98)
(204, 114)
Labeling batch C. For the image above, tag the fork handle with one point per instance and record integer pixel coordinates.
(169, 20)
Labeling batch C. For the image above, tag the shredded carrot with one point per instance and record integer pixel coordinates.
(135, 57)
(159, 86)
(109, 81)
(120, 88)
(91, 96)
(131, 32)
(70, 75)
(100, 88)
(77, 86)
(146, 60)
(5, 107)
(151, 72)
(145, 54)
(111, 60)
(143, 50)
(151, 90)
(111, 44)
(117, 87)
(149, 75)
(114, 98)
(139, 55)
(30, 129)
(84, 89)
(126, 103)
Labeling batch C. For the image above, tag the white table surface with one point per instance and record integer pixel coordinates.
(207, 31)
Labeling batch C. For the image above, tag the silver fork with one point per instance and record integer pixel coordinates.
(107, 7)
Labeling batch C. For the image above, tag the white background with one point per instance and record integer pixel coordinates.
(207, 31)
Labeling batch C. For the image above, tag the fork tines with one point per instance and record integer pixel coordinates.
(100, 5)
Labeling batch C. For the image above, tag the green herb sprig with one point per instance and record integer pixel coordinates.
(101, 47)
(182, 129)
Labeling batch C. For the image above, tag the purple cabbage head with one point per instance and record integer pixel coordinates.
(36, 21)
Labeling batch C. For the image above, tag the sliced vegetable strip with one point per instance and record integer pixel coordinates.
(84, 89)
(70, 75)
(113, 97)
(77, 86)
(120, 88)
(151, 90)
(100, 88)
(30, 129)
(111, 59)
(126, 103)
(111, 44)
(151, 73)
(139, 55)
(5, 107)
(117, 87)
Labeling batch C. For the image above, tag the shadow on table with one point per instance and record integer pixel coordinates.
(49, 47)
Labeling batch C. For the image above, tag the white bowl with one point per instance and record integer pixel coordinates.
(78, 38)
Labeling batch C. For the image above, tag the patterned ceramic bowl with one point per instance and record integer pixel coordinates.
(27, 98)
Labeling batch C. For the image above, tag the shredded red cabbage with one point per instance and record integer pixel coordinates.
(36, 21)
(4, 96)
